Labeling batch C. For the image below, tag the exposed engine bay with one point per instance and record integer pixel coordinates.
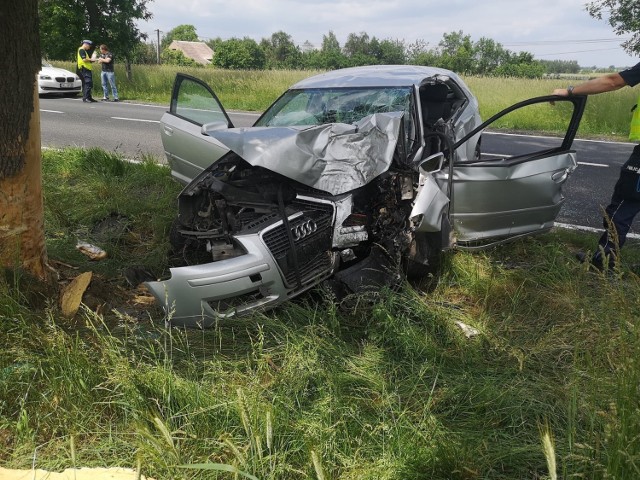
(298, 207)
(309, 232)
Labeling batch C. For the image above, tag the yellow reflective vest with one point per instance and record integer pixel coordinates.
(634, 130)
(81, 61)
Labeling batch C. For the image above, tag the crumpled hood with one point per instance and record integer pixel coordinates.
(335, 158)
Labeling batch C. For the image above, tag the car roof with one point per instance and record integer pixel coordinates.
(375, 76)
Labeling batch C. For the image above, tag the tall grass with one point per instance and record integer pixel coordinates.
(606, 116)
(389, 388)
(251, 90)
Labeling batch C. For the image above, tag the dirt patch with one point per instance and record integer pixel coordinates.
(108, 296)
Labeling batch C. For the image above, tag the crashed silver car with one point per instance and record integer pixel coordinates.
(355, 178)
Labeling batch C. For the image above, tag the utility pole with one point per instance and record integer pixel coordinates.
(158, 47)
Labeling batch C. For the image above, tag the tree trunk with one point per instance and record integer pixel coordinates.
(22, 241)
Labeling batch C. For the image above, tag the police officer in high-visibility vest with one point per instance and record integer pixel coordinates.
(625, 201)
(84, 70)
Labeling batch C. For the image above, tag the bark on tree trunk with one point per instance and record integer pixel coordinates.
(22, 241)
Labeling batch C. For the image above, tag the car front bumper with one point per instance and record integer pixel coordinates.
(197, 295)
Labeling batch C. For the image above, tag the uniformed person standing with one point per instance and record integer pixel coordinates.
(625, 200)
(85, 70)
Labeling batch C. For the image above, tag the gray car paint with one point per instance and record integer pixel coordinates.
(495, 199)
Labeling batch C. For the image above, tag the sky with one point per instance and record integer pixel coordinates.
(550, 29)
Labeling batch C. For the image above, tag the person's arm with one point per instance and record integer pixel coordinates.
(605, 83)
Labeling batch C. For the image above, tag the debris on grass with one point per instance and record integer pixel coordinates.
(72, 294)
(468, 331)
(91, 251)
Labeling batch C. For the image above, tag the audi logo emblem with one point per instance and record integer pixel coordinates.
(303, 229)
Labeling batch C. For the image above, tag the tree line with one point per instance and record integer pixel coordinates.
(64, 23)
(456, 51)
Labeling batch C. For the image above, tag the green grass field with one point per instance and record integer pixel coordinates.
(390, 386)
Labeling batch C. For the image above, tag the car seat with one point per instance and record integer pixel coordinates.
(435, 104)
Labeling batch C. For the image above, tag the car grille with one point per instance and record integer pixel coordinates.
(56, 89)
(312, 234)
(65, 79)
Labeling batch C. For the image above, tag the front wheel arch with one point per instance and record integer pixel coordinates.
(424, 255)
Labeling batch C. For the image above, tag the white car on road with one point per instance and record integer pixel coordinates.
(52, 80)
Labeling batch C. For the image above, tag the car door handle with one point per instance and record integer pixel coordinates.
(168, 130)
(560, 177)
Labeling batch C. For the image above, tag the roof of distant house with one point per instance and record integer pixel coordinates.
(198, 51)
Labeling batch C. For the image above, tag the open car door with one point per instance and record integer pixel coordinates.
(194, 110)
(506, 194)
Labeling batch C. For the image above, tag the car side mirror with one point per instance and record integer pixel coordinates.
(432, 163)
(213, 126)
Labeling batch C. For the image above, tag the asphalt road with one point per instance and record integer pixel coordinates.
(133, 129)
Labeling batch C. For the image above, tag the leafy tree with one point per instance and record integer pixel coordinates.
(561, 66)
(280, 51)
(391, 52)
(623, 16)
(214, 42)
(330, 43)
(488, 56)
(522, 65)
(177, 57)
(22, 240)
(238, 54)
(358, 48)
(419, 53)
(65, 23)
(145, 54)
(457, 52)
(185, 33)
(329, 57)
(362, 50)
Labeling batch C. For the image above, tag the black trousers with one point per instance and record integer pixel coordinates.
(622, 209)
(87, 83)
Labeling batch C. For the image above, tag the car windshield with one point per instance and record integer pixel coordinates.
(46, 64)
(329, 105)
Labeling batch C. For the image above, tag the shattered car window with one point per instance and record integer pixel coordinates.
(338, 105)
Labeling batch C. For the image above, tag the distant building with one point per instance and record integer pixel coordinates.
(198, 51)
